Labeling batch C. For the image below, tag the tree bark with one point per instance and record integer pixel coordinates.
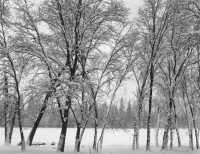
(100, 142)
(39, 117)
(171, 138)
(150, 106)
(95, 126)
(61, 143)
(6, 115)
(168, 124)
(165, 136)
(134, 137)
(178, 137)
(176, 127)
(191, 145)
(78, 138)
(21, 131)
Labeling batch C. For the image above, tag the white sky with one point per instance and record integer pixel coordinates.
(127, 91)
(133, 5)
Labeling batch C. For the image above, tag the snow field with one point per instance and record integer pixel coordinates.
(116, 141)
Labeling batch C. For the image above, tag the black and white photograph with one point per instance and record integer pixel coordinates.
(99, 76)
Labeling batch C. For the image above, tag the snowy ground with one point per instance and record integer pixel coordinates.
(115, 142)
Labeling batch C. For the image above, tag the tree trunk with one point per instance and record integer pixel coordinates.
(39, 117)
(12, 125)
(78, 138)
(95, 126)
(157, 127)
(61, 143)
(195, 130)
(176, 127)
(134, 137)
(197, 138)
(165, 138)
(100, 142)
(6, 111)
(77, 144)
(21, 131)
(168, 125)
(178, 137)
(137, 138)
(150, 106)
(95, 137)
(171, 138)
(191, 139)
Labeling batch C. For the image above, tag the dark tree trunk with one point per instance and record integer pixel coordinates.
(95, 126)
(61, 143)
(150, 106)
(178, 137)
(78, 138)
(191, 145)
(171, 138)
(137, 138)
(37, 122)
(21, 131)
(176, 127)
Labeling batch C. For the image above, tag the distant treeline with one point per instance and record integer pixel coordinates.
(121, 116)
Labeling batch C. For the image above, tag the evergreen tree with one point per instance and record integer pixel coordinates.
(102, 111)
(129, 118)
(114, 116)
(121, 113)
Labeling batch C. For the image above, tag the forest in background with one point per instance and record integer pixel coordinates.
(122, 116)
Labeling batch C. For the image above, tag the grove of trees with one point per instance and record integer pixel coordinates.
(62, 63)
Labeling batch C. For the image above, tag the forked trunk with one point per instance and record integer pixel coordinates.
(12, 126)
(100, 142)
(79, 139)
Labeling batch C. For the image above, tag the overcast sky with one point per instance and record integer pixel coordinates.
(127, 91)
(133, 5)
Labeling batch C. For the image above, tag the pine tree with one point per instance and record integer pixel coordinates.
(122, 113)
(129, 118)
